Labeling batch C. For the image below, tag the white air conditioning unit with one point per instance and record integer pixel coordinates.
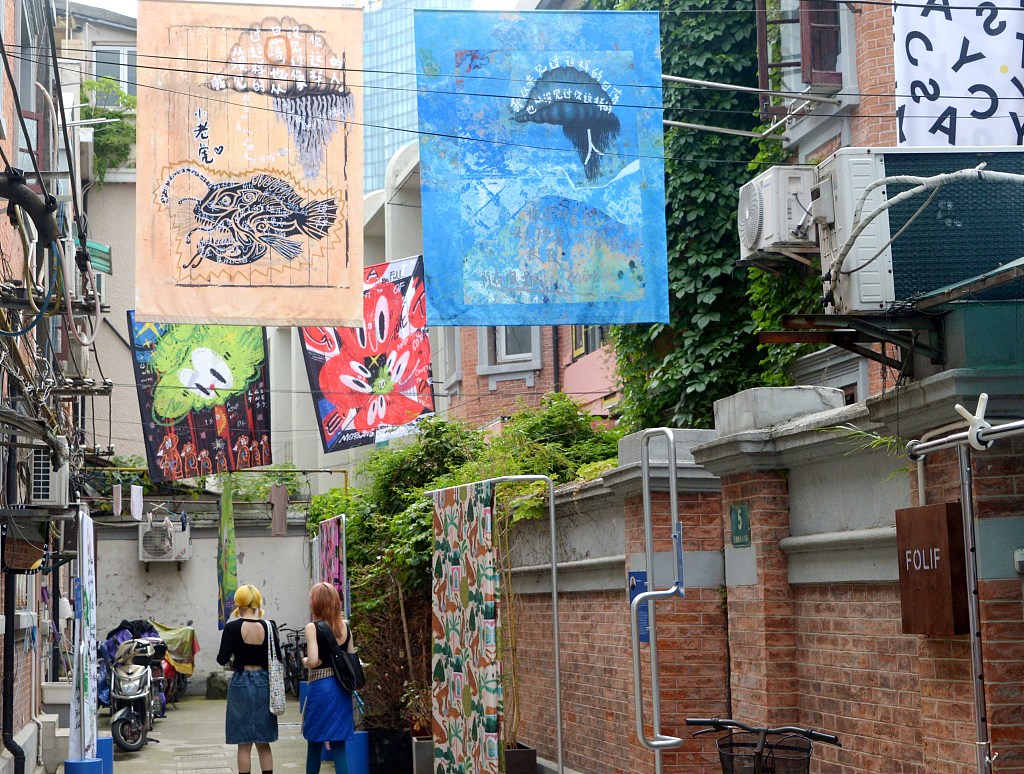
(969, 229)
(775, 213)
(49, 486)
(161, 541)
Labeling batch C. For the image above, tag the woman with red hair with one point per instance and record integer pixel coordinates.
(327, 713)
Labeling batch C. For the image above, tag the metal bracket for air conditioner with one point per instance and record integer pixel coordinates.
(852, 332)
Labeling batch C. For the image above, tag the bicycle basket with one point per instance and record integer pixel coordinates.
(737, 752)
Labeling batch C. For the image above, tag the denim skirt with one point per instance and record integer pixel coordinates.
(249, 718)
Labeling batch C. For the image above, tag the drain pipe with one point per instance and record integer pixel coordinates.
(10, 598)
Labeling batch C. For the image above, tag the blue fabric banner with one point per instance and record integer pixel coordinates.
(543, 177)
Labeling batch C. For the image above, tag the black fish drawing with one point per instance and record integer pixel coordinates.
(242, 221)
(586, 125)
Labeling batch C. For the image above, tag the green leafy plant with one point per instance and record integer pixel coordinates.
(112, 142)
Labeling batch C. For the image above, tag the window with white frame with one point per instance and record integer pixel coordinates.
(508, 352)
(119, 64)
(512, 343)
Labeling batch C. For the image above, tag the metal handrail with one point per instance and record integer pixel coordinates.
(659, 741)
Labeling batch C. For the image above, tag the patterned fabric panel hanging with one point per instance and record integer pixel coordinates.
(329, 554)
(541, 153)
(467, 697)
(204, 395)
(250, 164)
(372, 383)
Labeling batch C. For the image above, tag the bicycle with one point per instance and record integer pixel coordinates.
(292, 650)
(754, 750)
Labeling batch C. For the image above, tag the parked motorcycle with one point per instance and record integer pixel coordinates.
(136, 686)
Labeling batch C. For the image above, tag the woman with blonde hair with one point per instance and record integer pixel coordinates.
(244, 643)
(327, 714)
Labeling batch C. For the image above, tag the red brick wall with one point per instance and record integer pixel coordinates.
(478, 404)
(597, 687)
(873, 122)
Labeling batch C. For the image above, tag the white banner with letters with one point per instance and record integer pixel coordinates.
(959, 70)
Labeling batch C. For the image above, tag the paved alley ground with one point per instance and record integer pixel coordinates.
(192, 742)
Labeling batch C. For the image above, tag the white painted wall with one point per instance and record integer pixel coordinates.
(277, 566)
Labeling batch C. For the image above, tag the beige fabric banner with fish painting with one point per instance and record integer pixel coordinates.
(250, 164)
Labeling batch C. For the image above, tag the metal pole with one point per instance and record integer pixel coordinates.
(916, 449)
(983, 750)
(751, 90)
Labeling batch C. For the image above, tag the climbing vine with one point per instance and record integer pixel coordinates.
(672, 373)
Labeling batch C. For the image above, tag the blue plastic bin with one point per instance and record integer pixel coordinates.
(105, 752)
(84, 766)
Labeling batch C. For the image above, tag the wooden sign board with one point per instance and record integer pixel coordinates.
(933, 577)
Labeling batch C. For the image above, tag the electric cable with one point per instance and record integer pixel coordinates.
(69, 317)
(79, 220)
(42, 312)
(666, 88)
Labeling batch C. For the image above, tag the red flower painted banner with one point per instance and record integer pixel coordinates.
(371, 383)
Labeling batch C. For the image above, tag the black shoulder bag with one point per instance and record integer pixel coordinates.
(346, 665)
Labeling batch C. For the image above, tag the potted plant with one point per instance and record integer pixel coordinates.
(419, 715)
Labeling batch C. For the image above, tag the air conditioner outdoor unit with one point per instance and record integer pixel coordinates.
(775, 213)
(49, 486)
(161, 541)
(970, 228)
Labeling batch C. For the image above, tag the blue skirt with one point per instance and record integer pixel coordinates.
(327, 713)
(249, 718)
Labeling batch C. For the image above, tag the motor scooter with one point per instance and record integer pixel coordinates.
(136, 682)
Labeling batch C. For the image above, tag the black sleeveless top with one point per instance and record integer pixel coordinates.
(245, 654)
(325, 639)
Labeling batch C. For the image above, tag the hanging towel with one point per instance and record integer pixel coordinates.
(136, 502)
(278, 510)
(115, 503)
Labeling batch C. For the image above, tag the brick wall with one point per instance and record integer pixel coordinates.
(873, 122)
(597, 694)
(477, 404)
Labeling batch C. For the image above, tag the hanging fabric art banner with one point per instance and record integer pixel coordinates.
(227, 557)
(466, 689)
(542, 165)
(250, 164)
(959, 79)
(330, 555)
(372, 383)
(204, 395)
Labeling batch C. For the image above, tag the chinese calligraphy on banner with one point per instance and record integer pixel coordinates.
(959, 79)
(204, 397)
(370, 383)
(250, 171)
(466, 694)
(542, 166)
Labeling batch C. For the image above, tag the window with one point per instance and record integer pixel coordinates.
(449, 360)
(512, 343)
(799, 48)
(507, 352)
(117, 64)
(587, 339)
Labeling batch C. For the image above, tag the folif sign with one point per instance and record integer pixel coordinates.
(933, 579)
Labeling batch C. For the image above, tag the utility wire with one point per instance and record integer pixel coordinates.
(79, 221)
(666, 88)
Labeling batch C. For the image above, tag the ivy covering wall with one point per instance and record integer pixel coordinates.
(672, 373)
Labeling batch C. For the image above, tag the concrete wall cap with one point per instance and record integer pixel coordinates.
(685, 439)
(762, 408)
